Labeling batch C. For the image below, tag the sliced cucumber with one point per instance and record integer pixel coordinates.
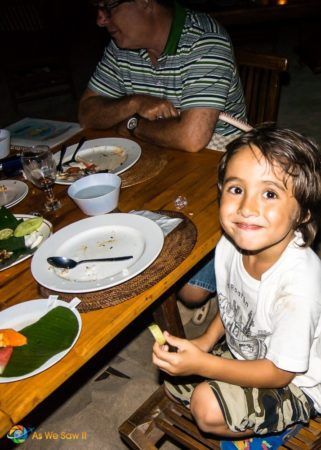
(28, 226)
(5, 233)
(157, 333)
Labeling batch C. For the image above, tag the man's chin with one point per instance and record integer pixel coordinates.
(122, 44)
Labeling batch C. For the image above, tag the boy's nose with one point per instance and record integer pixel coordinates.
(249, 206)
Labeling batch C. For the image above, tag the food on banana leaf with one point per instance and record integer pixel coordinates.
(17, 236)
(11, 338)
(50, 335)
(5, 355)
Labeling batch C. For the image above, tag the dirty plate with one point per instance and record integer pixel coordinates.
(113, 155)
(12, 192)
(98, 237)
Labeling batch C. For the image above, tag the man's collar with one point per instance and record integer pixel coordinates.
(176, 30)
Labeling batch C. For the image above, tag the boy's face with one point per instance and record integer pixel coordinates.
(257, 210)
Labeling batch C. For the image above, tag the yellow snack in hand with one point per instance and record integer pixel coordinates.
(157, 333)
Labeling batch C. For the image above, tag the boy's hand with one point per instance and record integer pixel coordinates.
(185, 362)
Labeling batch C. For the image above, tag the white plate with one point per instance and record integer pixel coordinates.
(24, 314)
(45, 230)
(15, 192)
(132, 150)
(108, 235)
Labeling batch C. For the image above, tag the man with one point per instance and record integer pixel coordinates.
(164, 77)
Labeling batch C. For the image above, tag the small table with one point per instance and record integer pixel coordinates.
(185, 174)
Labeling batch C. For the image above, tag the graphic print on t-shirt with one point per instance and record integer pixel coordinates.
(241, 336)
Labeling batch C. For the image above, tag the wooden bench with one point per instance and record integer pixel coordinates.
(160, 418)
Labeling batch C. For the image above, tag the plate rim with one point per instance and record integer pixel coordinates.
(22, 196)
(24, 257)
(60, 355)
(72, 147)
(50, 282)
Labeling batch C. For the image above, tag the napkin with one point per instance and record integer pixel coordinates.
(167, 224)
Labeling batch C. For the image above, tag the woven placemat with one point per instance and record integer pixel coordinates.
(148, 166)
(177, 246)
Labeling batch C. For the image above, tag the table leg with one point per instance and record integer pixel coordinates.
(167, 316)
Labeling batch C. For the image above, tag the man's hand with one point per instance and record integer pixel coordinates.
(189, 130)
(153, 108)
(185, 362)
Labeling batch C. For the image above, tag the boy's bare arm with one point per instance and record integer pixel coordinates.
(191, 360)
(261, 373)
(212, 335)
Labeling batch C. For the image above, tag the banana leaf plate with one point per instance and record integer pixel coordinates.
(52, 328)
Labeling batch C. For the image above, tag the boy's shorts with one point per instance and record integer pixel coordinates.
(204, 277)
(261, 410)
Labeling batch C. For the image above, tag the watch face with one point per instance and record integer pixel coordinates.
(132, 123)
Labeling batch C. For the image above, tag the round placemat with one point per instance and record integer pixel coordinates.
(177, 246)
(148, 166)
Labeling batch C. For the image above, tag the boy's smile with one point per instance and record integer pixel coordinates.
(258, 210)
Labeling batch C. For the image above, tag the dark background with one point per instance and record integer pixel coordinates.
(50, 49)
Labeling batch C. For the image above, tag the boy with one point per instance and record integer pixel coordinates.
(269, 293)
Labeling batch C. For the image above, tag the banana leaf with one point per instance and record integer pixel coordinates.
(16, 245)
(7, 219)
(13, 244)
(51, 334)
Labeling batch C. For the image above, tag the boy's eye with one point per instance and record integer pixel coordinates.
(270, 195)
(235, 190)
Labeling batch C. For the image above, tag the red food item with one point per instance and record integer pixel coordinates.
(5, 355)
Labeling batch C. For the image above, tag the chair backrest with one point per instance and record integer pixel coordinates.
(261, 79)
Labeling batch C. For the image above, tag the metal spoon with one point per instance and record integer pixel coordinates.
(67, 263)
(73, 158)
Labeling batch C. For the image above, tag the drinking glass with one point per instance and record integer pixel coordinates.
(40, 168)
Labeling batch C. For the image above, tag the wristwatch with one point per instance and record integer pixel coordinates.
(132, 123)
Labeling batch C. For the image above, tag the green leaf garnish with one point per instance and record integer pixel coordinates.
(50, 335)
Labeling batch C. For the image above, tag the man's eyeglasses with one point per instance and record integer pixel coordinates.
(108, 6)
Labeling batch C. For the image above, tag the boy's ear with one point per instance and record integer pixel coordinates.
(306, 218)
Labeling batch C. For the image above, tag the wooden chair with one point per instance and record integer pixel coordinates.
(261, 79)
(160, 418)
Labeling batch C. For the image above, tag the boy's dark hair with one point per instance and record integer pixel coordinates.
(299, 157)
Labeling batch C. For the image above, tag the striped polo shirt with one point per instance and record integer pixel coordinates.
(196, 69)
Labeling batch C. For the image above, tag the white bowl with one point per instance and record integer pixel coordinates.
(96, 194)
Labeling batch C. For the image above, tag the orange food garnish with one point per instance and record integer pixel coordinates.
(11, 338)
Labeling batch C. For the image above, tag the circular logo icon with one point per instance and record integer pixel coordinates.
(18, 434)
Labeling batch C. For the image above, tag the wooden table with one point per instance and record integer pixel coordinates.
(190, 175)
